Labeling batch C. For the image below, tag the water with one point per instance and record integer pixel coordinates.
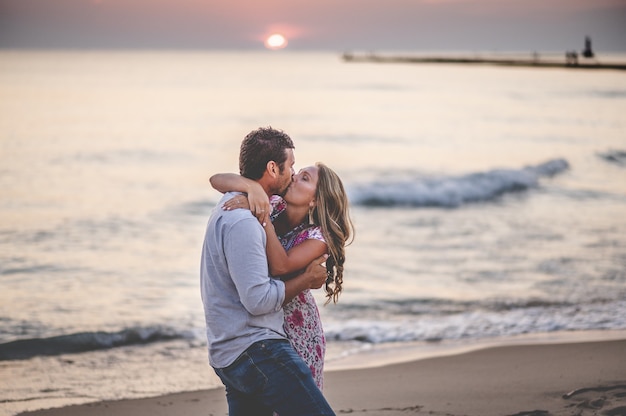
(489, 203)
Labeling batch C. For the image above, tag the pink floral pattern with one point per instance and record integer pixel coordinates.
(303, 324)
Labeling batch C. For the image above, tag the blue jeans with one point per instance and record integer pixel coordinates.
(270, 376)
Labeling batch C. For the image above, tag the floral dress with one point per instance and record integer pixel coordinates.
(303, 324)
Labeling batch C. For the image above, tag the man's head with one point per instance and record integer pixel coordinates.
(266, 155)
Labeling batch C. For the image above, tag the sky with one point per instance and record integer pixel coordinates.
(330, 25)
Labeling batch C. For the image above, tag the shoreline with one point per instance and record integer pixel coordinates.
(378, 355)
(555, 375)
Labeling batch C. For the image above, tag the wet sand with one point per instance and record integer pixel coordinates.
(581, 378)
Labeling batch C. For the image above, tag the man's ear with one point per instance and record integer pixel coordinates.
(272, 169)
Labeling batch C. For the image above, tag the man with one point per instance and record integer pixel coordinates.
(248, 349)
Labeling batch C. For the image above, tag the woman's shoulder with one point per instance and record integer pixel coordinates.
(308, 233)
(314, 233)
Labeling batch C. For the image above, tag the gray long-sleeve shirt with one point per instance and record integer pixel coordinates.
(242, 303)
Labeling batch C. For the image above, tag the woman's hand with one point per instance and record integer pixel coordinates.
(259, 204)
(256, 201)
(239, 201)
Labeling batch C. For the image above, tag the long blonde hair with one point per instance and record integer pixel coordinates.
(331, 213)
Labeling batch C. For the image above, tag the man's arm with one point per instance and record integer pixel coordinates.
(312, 278)
(247, 264)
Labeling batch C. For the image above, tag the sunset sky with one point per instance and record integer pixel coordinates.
(335, 25)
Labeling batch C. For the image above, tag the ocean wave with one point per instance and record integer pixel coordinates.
(411, 308)
(87, 341)
(200, 208)
(120, 156)
(609, 93)
(481, 323)
(454, 191)
(617, 157)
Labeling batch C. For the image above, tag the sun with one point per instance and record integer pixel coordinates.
(275, 41)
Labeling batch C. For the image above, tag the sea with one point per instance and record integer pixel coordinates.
(489, 205)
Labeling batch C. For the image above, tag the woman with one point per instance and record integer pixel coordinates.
(311, 219)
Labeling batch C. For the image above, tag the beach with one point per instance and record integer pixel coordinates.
(488, 204)
(534, 379)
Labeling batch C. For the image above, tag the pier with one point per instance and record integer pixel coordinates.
(534, 61)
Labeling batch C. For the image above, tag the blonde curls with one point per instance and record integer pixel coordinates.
(331, 213)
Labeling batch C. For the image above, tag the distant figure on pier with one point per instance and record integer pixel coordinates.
(587, 52)
(571, 58)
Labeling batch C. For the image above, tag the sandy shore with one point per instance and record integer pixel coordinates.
(581, 378)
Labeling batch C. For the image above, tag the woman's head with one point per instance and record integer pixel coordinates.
(303, 188)
(321, 189)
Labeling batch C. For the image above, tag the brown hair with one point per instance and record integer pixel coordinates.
(332, 215)
(261, 146)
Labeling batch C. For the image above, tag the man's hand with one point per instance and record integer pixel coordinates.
(312, 278)
(317, 272)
